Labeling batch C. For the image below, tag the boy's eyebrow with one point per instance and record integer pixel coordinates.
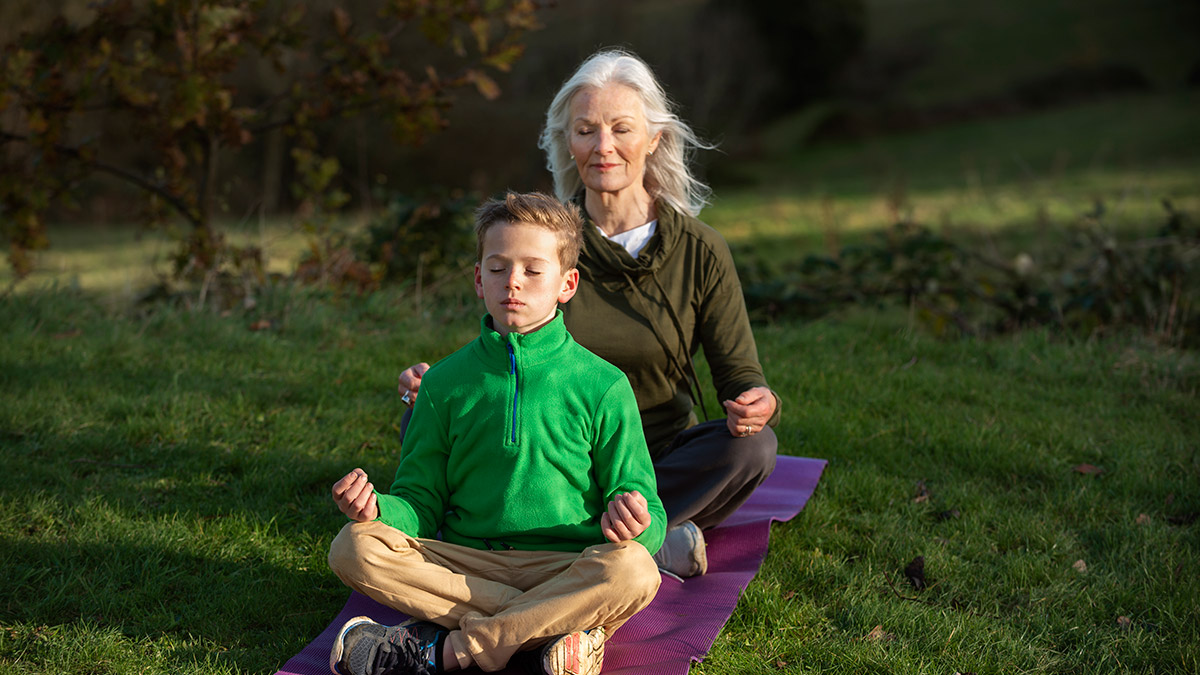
(501, 256)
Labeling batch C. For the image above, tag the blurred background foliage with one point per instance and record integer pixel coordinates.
(819, 100)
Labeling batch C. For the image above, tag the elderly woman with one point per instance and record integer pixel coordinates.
(657, 285)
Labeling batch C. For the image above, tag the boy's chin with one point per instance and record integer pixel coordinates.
(512, 324)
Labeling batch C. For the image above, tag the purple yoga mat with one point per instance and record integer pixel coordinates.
(680, 625)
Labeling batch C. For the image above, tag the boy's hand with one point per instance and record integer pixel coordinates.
(355, 497)
(410, 382)
(627, 517)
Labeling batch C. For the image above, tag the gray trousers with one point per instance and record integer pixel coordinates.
(706, 473)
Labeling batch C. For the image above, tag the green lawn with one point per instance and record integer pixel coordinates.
(167, 505)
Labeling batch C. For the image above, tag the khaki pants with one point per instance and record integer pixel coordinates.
(495, 602)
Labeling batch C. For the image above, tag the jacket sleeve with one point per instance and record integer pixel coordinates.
(621, 461)
(416, 502)
(725, 331)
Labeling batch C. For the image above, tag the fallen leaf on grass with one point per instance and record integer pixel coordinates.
(789, 595)
(780, 663)
(1124, 622)
(922, 492)
(948, 514)
(914, 571)
(1080, 566)
(1087, 469)
(877, 634)
(261, 324)
(1143, 519)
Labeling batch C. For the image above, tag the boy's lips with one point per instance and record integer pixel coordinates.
(512, 303)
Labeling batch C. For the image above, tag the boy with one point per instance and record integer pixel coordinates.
(526, 452)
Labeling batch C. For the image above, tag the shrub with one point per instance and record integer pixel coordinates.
(1094, 284)
(422, 239)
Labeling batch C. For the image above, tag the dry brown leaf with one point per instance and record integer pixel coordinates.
(948, 514)
(1124, 622)
(780, 663)
(877, 634)
(789, 595)
(1183, 518)
(1080, 566)
(922, 492)
(1143, 519)
(1088, 469)
(261, 324)
(914, 571)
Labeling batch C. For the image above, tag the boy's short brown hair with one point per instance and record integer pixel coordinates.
(534, 208)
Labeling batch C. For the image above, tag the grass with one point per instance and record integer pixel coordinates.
(990, 433)
(167, 508)
(991, 175)
(167, 505)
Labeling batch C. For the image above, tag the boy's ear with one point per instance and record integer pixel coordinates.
(478, 282)
(570, 284)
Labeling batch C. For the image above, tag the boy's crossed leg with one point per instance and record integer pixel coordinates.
(495, 603)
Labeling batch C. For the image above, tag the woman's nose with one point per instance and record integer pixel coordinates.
(604, 142)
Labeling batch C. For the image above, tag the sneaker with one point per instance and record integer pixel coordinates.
(683, 551)
(578, 653)
(365, 647)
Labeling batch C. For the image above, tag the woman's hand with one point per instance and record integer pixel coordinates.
(747, 414)
(628, 516)
(355, 497)
(410, 382)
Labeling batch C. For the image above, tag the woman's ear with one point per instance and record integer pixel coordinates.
(570, 284)
(654, 142)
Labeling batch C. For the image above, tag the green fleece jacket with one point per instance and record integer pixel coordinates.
(648, 316)
(520, 442)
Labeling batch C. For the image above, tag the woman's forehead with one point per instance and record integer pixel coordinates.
(612, 101)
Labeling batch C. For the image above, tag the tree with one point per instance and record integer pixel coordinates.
(147, 92)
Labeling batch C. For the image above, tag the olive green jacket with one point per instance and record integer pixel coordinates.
(648, 316)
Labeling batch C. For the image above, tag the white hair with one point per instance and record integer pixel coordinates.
(668, 176)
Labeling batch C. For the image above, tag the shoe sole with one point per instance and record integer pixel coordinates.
(578, 653)
(335, 655)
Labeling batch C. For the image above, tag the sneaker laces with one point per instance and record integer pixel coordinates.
(402, 650)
